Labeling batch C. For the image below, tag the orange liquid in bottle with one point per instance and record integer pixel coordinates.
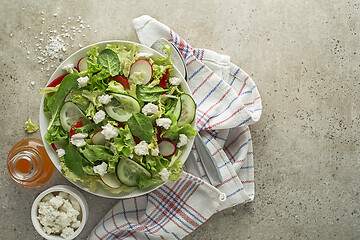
(28, 163)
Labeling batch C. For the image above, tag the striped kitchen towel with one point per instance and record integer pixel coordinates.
(227, 103)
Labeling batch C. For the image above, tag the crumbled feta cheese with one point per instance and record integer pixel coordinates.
(163, 122)
(101, 169)
(82, 81)
(99, 116)
(183, 140)
(149, 109)
(174, 81)
(104, 99)
(164, 174)
(109, 131)
(60, 152)
(144, 55)
(56, 202)
(155, 152)
(141, 148)
(69, 68)
(57, 215)
(78, 139)
(67, 232)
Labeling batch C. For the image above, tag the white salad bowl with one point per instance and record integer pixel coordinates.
(44, 119)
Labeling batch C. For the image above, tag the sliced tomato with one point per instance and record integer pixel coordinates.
(164, 79)
(121, 125)
(56, 81)
(76, 125)
(122, 80)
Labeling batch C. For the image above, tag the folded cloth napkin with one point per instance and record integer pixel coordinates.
(227, 103)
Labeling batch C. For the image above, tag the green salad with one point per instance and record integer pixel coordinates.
(119, 118)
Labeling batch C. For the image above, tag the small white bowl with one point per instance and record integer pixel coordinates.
(71, 191)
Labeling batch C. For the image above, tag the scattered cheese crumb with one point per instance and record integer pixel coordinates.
(101, 169)
(141, 148)
(163, 122)
(149, 109)
(104, 99)
(99, 116)
(109, 131)
(60, 152)
(78, 139)
(82, 81)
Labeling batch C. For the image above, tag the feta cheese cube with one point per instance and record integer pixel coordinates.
(60, 152)
(69, 68)
(164, 173)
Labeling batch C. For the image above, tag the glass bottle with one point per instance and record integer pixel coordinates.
(28, 163)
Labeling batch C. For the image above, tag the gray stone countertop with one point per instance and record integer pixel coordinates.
(304, 57)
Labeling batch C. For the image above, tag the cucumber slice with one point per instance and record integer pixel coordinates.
(177, 109)
(129, 171)
(122, 106)
(70, 114)
(188, 110)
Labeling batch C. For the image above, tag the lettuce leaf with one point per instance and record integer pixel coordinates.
(55, 133)
(95, 153)
(115, 87)
(174, 131)
(125, 143)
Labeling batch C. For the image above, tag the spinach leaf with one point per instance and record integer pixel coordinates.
(56, 100)
(110, 61)
(141, 127)
(148, 94)
(73, 160)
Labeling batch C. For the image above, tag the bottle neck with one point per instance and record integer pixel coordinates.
(25, 165)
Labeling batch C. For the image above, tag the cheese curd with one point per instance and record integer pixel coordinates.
(99, 116)
(142, 148)
(163, 122)
(104, 99)
(183, 140)
(101, 169)
(164, 173)
(57, 215)
(109, 131)
(175, 81)
(60, 152)
(78, 139)
(150, 109)
(82, 81)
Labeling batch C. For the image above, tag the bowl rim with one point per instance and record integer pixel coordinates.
(52, 154)
(60, 188)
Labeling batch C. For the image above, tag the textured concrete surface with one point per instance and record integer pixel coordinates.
(304, 57)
